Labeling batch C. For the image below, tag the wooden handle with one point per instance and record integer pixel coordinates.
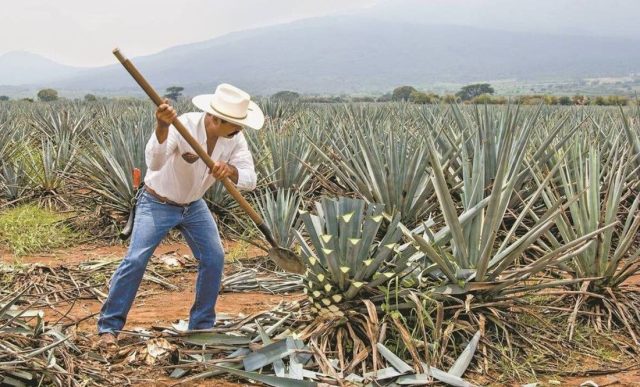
(228, 184)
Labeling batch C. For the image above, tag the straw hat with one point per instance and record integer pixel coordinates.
(232, 105)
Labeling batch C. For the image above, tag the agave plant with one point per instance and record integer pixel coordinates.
(62, 126)
(46, 167)
(13, 183)
(346, 261)
(278, 109)
(605, 198)
(12, 180)
(383, 167)
(7, 133)
(280, 212)
(468, 251)
(287, 159)
(219, 200)
(603, 194)
(632, 135)
(117, 149)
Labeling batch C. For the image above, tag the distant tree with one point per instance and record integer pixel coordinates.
(449, 98)
(174, 92)
(617, 100)
(47, 95)
(564, 100)
(530, 99)
(482, 99)
(286, 95)
(402, 93)
(499, 100)
(363, 99)
(471, 91)
(4, 98)
(550, 100)
(384, 98)
(27, 99)
(600, 101)
(579, 100)
(323, 99)
(424, 98)
(90, 98)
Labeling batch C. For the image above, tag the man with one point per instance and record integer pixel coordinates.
(174, 184)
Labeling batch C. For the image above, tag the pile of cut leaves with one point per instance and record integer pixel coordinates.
(261, 347)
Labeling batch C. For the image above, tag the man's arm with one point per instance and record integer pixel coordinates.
(242, 161)
(240, 167)
(164, 140)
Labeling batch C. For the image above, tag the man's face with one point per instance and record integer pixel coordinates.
(221, 127)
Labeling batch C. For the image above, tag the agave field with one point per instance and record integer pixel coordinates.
(466, 244)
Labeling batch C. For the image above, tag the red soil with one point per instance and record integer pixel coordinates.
(162, 307)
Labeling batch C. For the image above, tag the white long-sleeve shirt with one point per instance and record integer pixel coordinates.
(171, 176)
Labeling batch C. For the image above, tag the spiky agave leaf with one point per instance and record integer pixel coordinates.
(219, 200)
(117, 149)
(62, 125)
(286, 156)
(383, 166)
(13, 181)
(280, 212)
(46, 167)
(466, 251)
(603, 191)
(276, 109)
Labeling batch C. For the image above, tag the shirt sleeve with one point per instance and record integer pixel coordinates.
(156, 154)
(242, 159)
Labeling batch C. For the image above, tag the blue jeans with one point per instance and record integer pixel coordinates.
(153, 221)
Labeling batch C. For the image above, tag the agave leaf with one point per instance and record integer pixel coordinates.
(462, 362)
(393, 359)
(434, 373)
(266, 379)
(210, 338)
(446, 203)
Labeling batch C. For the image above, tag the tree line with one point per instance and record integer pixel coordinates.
(477, 93)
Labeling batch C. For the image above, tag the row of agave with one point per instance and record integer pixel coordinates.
(435, 215)
(468, 217)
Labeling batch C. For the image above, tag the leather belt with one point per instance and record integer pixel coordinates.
(162, 198)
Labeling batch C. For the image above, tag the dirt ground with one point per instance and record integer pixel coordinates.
(161, 307)
(156, 306)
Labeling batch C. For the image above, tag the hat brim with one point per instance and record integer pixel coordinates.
(253, 120)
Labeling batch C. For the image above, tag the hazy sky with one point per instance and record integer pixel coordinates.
(576, 17)
(83, 32)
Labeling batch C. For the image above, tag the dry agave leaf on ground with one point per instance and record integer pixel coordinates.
(171, 260)
(273, 353)
(157, 350)
(253, 280)
(87, 280)
(33, 352)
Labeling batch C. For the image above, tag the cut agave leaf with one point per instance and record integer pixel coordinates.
(266, 355)
(394, 360)
(207, 338)
(267, 379)
(462, 362)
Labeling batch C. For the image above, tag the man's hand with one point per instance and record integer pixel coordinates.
(221, 170)
(165, 114)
